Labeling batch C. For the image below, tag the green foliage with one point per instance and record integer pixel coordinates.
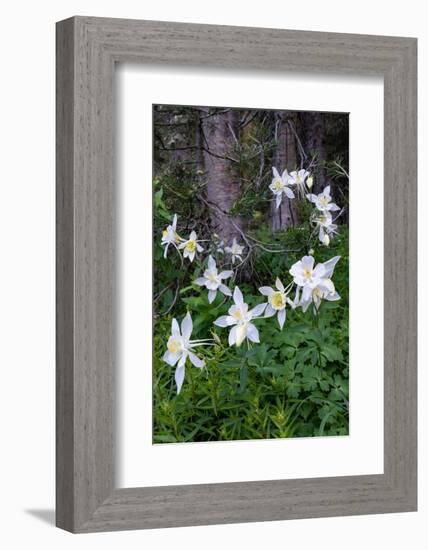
(293, 384)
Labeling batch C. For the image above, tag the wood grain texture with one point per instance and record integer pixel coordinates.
(87, 50)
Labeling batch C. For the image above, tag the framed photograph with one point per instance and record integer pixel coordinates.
(236, 274)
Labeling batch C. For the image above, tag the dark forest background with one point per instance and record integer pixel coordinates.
(223, 158)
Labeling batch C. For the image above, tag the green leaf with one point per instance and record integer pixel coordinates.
(243, 378)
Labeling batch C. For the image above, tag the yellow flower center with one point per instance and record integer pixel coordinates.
(175, 345)
(164, 233)
(277, 184)
(278, 300)
(307, 273)
(237, 314)
(323, 201)
(211, 277)
(191, 246)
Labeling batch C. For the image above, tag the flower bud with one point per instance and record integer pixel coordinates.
(310, 182)
(216, 338)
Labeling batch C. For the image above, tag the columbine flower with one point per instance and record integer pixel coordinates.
(298, 178)
(212, 280)
(323, 200)
(191, 246)
(279, 186)
(324, 222)
(218, 244)
(239, 319)
(315, 282)
(324, 290)
(180, 347)
(170, 236)
(236, 250)
(277, 301)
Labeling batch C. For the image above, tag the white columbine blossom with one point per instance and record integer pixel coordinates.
(180, 347)
(314, 283)
(298, 178)
(236, 250)
(324, 221)
(277, 300)
(212, 279)
(170, 236)
(280, 186)
(191, 246)
(323, 201)
(239, 319)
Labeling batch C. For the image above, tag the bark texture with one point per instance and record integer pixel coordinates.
(222, 174)
(315, 144)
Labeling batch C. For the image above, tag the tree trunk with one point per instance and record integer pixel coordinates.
(285, 156)
(219, 131)
(314, 131)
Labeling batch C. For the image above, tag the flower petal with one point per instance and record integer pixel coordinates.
(232, 336)
(225, 321)
(319, 271)
(307, 262)
(196, 361)
(241, 333)
(200, 281)
(306, 294)
(237, 296)
(266, 290)
(211, 296)
(179, 377)
(275, 172)
(171, 358)
(253, 333)
(186, 327)
(329, 266)
(278, 200)
(211, 285)
(279, 285)
(258, 310)
(211, 263)
(281, 317)
(289, 193)
(226, 274)
(175, 329)
(269, 311)
(226, 290)
(332, 297)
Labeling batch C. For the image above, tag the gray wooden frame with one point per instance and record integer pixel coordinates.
(87, 50)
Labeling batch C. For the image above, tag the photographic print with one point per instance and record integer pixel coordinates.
(250, 274)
